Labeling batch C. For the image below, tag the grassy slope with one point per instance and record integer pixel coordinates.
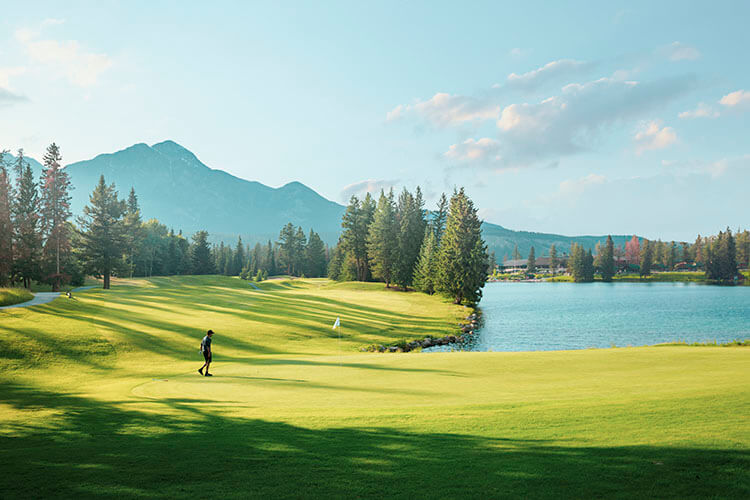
(99, 396)
(10, 296)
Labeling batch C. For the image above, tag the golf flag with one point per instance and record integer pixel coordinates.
(337, 323)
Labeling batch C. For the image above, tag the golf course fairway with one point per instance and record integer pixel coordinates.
(100, 397)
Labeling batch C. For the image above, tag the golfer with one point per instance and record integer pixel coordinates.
(206, 350)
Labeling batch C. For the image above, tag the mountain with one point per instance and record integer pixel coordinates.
(502, 241)
(174, 186)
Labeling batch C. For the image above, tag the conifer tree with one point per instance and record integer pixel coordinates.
(315, 256)
(516, 253)
(102, 232)
(438, 221)
(133, 231)
(462, 258)
(6, 224)
(354, 236)
(671, 256)
(588, 267)
(270, 266)
(531, 262)
(411, 232)
(647, 258)
(426, 270)
(26, 223)
(607, 260)
(553, 261)
(200, 254)
(239, 257)
(382, 239)
(55, 212)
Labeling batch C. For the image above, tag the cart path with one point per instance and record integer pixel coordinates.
(44, 298)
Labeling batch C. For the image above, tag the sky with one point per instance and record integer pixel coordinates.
(565, 117)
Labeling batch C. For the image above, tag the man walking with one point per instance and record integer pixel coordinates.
(206, 350)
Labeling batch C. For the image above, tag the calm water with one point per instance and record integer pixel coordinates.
(550, 316)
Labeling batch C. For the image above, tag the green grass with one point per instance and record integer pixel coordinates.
(99, 398)
(10, 296)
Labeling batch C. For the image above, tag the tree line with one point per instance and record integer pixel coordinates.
(39, 241)
(398, 242)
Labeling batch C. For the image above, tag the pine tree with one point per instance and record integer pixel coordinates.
(607, 260)
(200, 254)
(315, 256)
(462, 259)
(6, 224)
(553, 261)
(588, 267)
(26, 223)
(411, 232)
(531, 262)
(239, 257)
(438, 221)
(270, 268)
(647, 258)
(102, 232)
(55, 212)
(354, 236)
(671, 256)
(516, 253)
(382, 239)
(133, 234)
(300, 242)
(426, 270)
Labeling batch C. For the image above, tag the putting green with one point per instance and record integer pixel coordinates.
(99, 396)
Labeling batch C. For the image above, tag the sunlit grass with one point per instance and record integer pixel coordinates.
(10, 296)
(99, 396)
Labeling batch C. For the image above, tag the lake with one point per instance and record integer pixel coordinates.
(552, 316)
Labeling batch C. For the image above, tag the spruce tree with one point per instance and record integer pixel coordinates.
(671, 256)
(531, 262)
(607, 260)
(55, 212)
(553, 261)
(133, 231)
(588, 267)
(102, 232)
(6, 224)
(411, 232)
(239, 257)
(300, 242)
(200, 254)
(26, 223)
(438, 221)
(382, 239)
(516, 253)
(426, 270)
(647, 258)
(462, 259)
(315, 256)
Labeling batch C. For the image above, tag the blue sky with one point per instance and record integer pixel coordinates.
(568, 117)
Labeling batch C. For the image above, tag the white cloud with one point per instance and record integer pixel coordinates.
(550, 71)
(8, 98)
(736, 99)
(484, 150)
(51, 21)
(361, 188)
(677, 51)
(652, 137)
(517, 52)
(702, 111)
(69, 58)
(573, 188)
(7, 73)
(446, 109)
(571, 121)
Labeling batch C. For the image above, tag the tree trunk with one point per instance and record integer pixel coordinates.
(106, 279)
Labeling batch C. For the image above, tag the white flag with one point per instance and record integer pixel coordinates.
(337, 323)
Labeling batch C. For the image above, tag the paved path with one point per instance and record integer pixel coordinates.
(45, 297)
(39, 298)
(255, 286)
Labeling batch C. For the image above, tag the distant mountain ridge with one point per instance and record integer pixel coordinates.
(174, 186)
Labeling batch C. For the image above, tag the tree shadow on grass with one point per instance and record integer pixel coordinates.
(99, 449)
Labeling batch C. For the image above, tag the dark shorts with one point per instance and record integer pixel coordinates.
(207, 356)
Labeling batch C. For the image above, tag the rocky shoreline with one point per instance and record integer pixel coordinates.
(467, 331)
